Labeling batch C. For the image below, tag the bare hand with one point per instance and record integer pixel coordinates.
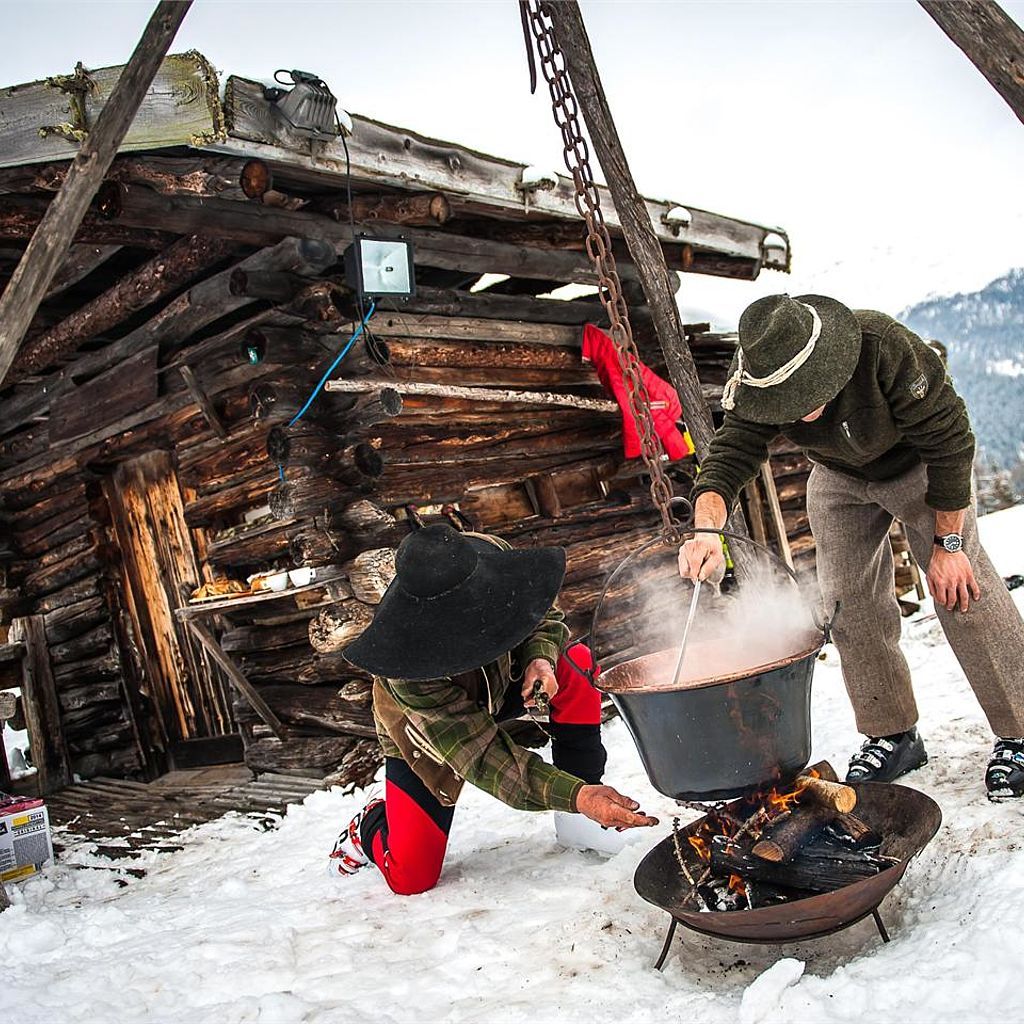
(610, 808)
(701, 557)
(539, 670)
(951, 579)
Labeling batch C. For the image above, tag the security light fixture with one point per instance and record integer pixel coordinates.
(376, 267)
(309, 106)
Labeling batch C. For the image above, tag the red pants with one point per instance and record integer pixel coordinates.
(407, 836)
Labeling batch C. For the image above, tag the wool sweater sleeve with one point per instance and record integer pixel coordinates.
(449, 727)
(547, 640)
(737, 451)
(930, 415)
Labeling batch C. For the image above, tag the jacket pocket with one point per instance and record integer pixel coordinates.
(422, 744)
(868, 433)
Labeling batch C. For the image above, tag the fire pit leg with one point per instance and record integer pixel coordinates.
(879, 925)
(668, 945)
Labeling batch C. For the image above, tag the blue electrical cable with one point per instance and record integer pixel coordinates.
(330, 369)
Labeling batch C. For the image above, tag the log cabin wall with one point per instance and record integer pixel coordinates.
(200, 305)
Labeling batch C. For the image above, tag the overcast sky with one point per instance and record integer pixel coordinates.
(859, 127)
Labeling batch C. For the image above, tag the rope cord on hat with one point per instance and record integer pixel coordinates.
(783, 373)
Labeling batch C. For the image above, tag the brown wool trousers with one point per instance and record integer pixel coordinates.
(850, 520)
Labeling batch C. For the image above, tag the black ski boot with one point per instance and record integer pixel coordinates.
(1004, 777)
(886, 758)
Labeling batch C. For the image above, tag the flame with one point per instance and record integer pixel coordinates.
(702, 848)
(737, 885)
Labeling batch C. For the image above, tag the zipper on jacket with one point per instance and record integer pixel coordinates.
(848, 434)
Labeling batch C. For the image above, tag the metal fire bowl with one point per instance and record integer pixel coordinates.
(906, 818)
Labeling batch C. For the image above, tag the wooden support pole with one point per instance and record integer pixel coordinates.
(637, 229)
(202, 399)
(234, 674)
(42, 708)
(775, 509)
(52, 239)
(992, 41)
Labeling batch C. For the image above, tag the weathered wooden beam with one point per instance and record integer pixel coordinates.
(571, 36)
(201, 398)
(992, 41)
(20, 216)
(163, 275)
(42, 709)
(50, 243)
(80, 262)
(602, 405)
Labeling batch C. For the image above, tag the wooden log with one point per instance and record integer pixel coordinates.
(75, 698)
(203, 303)
(278, 400)
(782, 843)
(56, 530)
(86, 646)
(417, 330)
(451, 303)
(61, 574)
(177, 266)
(250, 490)
(316, 546)
(42, 708)
(79, 263)
(339, 625)
(241, 546)
(309, 491)
(371, 409)
(271, 285)
(63, 496)
(72, 594)
(820, 868)
(365, 519)
(427, 209)
(320, 753)
(71, 621)
(835, 795)
(50, 243)
(250, 637)
(106, 665)
(992, 41)
(327, 708)
(502, 395)
(370, 573)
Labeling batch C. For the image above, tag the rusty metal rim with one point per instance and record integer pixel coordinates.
(733, 677)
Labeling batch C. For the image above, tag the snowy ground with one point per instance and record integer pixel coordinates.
(244, 925)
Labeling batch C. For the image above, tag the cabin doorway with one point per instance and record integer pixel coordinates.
(188, 707)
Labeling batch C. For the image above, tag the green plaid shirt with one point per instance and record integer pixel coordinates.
(451, 725)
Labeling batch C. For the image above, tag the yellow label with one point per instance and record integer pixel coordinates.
(15, 873)
(22, 819)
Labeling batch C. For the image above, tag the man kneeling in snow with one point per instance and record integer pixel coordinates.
(465, 637)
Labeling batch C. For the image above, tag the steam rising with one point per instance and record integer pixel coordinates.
(766, 619)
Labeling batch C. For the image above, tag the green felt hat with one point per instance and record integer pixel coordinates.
(795, 355)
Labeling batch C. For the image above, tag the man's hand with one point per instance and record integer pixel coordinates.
(610, 808)
(951, 579)
(701, 558)
(539, 670)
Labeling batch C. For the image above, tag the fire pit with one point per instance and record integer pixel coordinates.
(905, 819)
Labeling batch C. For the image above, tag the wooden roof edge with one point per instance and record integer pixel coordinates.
(46, 120)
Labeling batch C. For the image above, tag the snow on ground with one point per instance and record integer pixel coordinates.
(245, 925)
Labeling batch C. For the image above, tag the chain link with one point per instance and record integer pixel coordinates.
(599, 249)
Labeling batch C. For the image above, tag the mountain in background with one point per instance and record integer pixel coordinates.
(984, 334)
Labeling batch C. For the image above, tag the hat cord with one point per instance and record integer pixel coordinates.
(783, 373)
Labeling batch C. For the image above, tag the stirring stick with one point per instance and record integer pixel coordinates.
(686, 631)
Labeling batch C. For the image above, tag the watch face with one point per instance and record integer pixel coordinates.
(952, 542)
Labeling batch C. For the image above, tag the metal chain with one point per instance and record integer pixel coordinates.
(599, 248)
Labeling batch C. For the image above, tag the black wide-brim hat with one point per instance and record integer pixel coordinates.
(772, 331)
(457, 602)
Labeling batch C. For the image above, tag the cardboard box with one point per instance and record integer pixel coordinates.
(25, 844)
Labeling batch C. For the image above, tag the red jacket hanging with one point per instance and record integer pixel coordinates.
(666, 408)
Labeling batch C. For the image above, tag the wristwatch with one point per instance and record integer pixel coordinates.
(951, 542)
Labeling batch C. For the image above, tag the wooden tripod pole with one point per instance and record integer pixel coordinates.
(992, 41)
(63, 217)
(636, 224)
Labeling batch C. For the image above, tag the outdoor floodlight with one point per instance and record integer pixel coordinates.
(380, 266)
(309, 107)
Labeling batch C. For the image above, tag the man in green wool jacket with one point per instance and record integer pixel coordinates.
(871, 406)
